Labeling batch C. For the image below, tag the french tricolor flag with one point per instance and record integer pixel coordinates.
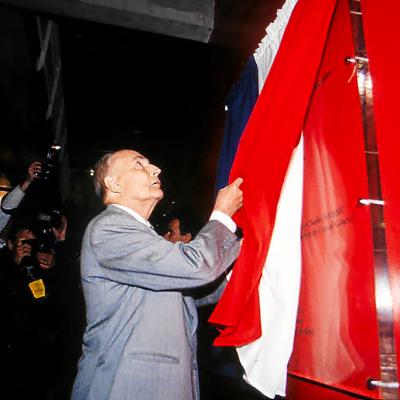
(257, 311)
(308, 121)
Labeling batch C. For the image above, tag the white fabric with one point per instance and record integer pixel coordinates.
(268, 47)
(265, 360)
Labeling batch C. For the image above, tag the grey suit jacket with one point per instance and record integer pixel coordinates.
(140, 339)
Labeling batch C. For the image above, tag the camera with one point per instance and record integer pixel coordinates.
(42, 228)
(49, 164)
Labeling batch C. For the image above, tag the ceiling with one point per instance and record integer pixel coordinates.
(234, 23)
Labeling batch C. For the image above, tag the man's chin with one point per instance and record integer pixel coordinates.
(160, 195)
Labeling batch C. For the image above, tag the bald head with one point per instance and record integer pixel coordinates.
(128, 178)
(103, 168)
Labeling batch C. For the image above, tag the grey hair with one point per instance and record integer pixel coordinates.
(100, 172)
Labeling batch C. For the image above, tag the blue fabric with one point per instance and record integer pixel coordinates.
(240, 102)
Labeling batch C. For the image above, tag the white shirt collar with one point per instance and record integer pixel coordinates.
(133, 213)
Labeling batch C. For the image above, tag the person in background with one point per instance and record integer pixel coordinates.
(174, 233)
(31, 309)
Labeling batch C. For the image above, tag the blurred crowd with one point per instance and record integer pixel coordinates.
(39, 293)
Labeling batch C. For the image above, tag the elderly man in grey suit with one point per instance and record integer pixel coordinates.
(140, 339)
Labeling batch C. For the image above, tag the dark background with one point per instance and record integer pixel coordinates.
(161, 95)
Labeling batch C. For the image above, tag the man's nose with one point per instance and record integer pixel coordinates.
(154, 170)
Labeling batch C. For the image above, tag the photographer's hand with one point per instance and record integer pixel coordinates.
(33, 173)
(46, 260)
(21, 248)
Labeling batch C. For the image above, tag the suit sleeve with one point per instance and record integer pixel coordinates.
(8, 203)
(134, 255)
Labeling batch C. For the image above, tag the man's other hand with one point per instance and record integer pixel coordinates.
(230, 198)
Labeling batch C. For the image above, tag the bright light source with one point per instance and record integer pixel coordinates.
(2, 194)
(91, 172)
(5, 186)
(226, 108)
(368, 202)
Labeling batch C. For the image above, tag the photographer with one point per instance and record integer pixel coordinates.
(30, 340)
(31, 296)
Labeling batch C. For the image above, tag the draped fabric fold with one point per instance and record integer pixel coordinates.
(262, 159)
(279, 290)
(269, 45)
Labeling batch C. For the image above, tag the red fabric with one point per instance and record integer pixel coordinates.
(382, 31)
(262, 159)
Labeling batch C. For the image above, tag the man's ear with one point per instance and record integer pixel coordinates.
(10, 244)
(112, 184)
